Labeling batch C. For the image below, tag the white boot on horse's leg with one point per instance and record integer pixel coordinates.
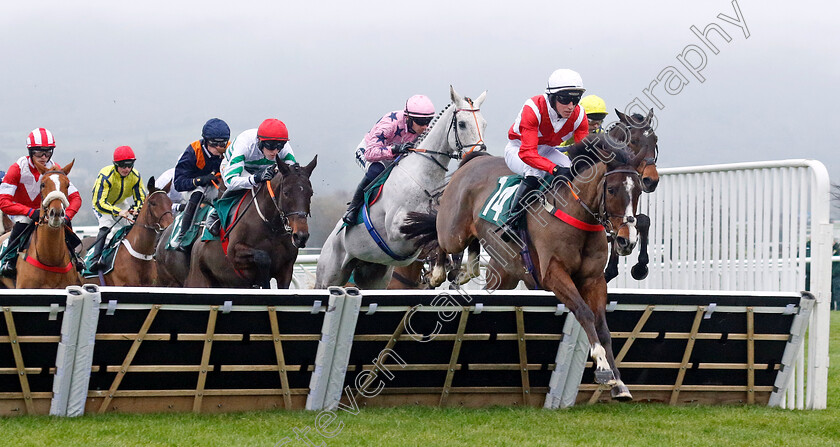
(438, 276)
(603, 373)
(620, 392)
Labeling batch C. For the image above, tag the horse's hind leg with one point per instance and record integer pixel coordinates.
(640, 270)
(472, 269)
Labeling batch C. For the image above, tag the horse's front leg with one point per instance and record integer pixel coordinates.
(558, 281)
(612, 266)
(640, 270)
(262, 265)
(594, 292)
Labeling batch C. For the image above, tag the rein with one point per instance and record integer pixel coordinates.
(461, 148)
(602, 216)
(157, 227)
(282, 215)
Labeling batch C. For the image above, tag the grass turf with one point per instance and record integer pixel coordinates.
(599, 425)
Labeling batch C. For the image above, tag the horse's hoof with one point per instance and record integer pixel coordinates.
(639, 272)
(620, 393)
(604, 377)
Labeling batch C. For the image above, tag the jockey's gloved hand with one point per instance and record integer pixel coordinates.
(204, 180)
(265, 174)
(36, 215)
(562, 171)
(401, 148)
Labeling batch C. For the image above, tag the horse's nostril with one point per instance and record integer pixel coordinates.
(622, 242)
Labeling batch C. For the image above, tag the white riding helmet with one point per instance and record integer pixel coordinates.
(564, 79)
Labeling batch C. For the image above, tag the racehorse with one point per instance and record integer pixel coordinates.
(263, 240)
(456, 130)
(134, 263)
(637, 132)
(46, 263)
(565, 237)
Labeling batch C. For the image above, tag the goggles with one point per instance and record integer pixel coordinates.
(38, 152)
(124, 163)
(422, 121)
(566, 98)
(272, 145)
(216, 142)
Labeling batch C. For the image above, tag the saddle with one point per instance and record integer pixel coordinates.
(195, 229)
(109, 254)
(372, 192)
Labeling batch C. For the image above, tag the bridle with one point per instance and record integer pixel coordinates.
(461, 149)
(157, 227)
(282, 215)
(603, 216)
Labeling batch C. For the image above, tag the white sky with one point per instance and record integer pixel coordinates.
(149, 74)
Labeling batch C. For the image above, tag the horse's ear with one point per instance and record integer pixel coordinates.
(150, 185)
(311, 166)
(281, 165)
(456, 98)
(622, 117)
(649, 117)
(66, 169)
(478, 101)
(167, 187)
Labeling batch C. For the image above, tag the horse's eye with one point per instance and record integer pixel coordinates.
(611, 190)
(462, 125)
(634, 142)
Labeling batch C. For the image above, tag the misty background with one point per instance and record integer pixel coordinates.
(149, 74)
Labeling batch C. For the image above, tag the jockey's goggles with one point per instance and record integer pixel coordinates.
(422, 121)
(38, 152)
(272, 145)
(217, 142)
(124, 163)
(565, 98)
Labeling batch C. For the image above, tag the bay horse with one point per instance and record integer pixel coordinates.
(459, 128)
(134, 263)
(567, 258)
(636, 131)
(46, 263)
(264, 239)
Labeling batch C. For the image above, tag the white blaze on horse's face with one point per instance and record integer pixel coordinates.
(55, 218)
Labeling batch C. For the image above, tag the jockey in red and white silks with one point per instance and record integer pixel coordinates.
(538, 129)
(543, 123)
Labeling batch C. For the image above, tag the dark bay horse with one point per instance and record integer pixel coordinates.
(134, 263)
(637, 133)
(265, 237)
(568, 259)
(46, 263)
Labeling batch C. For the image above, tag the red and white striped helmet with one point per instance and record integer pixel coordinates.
(40, 137)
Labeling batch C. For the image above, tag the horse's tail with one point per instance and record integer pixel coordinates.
(470, 156)
(420, 226)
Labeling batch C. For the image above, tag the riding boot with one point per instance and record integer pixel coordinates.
(212, 223)
(517, 212)
(98, 247)
(356, 203)
(73, 242)
(9, 268)
(186, 221)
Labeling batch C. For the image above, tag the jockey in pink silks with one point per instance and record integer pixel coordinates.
(394, 134)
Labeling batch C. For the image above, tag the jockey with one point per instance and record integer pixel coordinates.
(394, 134)
(20, 198)
(250, 160)
(544, 122)
(114, 185)
(596, 111)
(195, 173)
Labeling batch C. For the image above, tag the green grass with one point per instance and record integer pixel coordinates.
(599, 425)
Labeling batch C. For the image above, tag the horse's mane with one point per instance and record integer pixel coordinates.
(470, 156)
(587, 148)
(431, 125)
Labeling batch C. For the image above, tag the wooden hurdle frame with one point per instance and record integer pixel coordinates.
(472, 350)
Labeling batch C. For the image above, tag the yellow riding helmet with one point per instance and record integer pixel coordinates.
(593, 104)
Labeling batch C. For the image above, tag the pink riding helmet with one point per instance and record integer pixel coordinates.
(419, 106)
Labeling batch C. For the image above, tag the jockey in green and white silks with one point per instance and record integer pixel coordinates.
(250, 160)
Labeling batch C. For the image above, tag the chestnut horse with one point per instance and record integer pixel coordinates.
(46, 263)
(134, 263)
(568, 258)
(264, 239)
